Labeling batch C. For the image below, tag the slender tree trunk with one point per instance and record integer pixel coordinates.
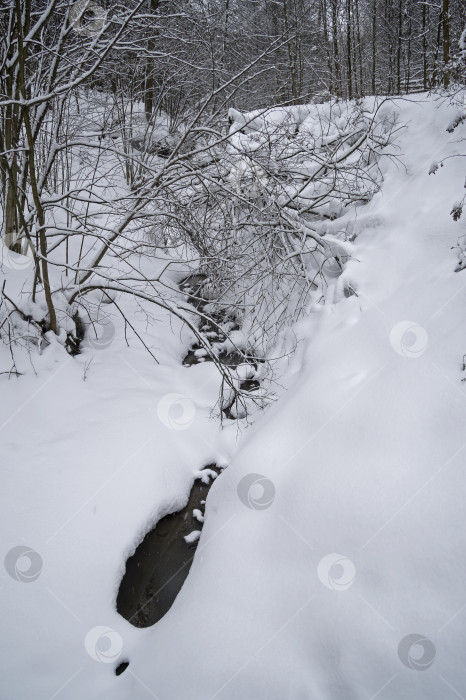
(374, 44)
(408, 58)
(437, 48)
(349, 49)
(327, 44)
(8, 143)
(399, 46)
(424, 45)
(336, 55)
(225, 29)
(149, 87)
(359, 49)
(446, 41)
(31, 144)
(292, 55)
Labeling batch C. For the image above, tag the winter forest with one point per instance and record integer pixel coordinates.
(232, 349)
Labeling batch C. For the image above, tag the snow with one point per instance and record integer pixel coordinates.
(245, 371)
(462, 41)
(338, 570)
(205, 475)
(198, 515)
(193, 536)
(88, 468)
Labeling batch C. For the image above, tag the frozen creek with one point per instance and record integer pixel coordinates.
(157, 570)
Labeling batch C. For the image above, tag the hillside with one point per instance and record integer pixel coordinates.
(313, 577)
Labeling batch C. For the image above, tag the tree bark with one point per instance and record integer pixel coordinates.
(374, 44)
(349, 49)
(446, 41)
(398, 46)
(149, 96)
(336, 56)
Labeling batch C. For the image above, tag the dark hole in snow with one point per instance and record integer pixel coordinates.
(121, 668)
(160, 565)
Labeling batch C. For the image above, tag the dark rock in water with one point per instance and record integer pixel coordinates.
(194, 287)
(232, 359)
(249, 385)
(121, 668)
(194, 359)
(229, 359)
(160, 565)
(216, 334)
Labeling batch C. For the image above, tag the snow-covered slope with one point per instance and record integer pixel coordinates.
(337, 572)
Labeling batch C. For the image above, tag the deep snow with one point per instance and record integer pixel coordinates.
(311, 578)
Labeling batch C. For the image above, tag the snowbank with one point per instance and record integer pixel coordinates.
(337, 570)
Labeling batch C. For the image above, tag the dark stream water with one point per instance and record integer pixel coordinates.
(158, 568)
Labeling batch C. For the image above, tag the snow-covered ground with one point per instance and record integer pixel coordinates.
(331, 563)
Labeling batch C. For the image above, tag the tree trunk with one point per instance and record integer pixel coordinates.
(349, 49)
(398, 46)
(424, 45)
(149, 82)
(374, 44)
(327, 44)
(359, 49)
(446, 41)
(336, 56)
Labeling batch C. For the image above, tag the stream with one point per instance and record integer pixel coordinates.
(160, 564)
